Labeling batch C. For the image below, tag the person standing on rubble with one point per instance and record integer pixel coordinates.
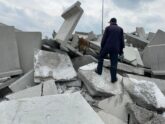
(112, 43)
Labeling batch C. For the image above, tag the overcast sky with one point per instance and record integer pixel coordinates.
(45, 15)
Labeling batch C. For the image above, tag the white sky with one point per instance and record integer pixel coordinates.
(45, 15)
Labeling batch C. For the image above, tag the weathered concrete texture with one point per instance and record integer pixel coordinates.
(27, 43)
(60, 109)
(76, 83)
(75, 40)
(160, 83)
(49, 88)
(72, 15)
(81, 61)
(116, 106)
(27, 93)
(46, 88)
(126, 67)
(10, 64)
(141, 32)
(99, 85)
(53, 65)
(139, 115)
(24, 82)
(110, 119)
(151, 35)
(153, 54)
(145, 93)
(136, 41)
(132, 56)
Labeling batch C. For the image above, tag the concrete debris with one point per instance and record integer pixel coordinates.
(151, 35)
(72, 15)
(145, 93)
(53, 65)
(110, 119)
(46, 88)
(136, 41)
(141, 32)
(10, 64)
(99, 85)
(139, 115)
(116, 106)
(75, 40)
(49, 109)
(27, 43)
(81, 61)
(76, 83)
(24, 82)
(126, 68)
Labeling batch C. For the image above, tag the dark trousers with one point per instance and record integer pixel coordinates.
(113, 61)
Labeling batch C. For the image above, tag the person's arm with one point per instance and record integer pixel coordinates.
(122, 42)
(104, 38)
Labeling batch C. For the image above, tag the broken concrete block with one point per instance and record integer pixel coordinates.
(24, 82)
(136, 41)
(141, 32)
(99, 85)
(76, 83)
(4, 79)
(10, 64)
(72, 15)
(160, 83)
(75, 40)
(110, 119)
(126, 67)
(27, 43)
(92, 36)
(81, 61)
(115, 106)
(145, 93)
(151, 35)
(27, 93)
(91, 52)
(49, 88)
(46, 88)
(53, 65)
(153, 54)
(139, 115)
(61, 109)
(96, 45)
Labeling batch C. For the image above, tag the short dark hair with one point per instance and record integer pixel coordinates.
(113, 20)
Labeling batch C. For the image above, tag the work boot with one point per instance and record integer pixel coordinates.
(113, 81)
(97, 72)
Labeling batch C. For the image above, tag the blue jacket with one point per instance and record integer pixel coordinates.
(113, 39)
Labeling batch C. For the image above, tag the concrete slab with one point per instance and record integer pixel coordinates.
(110, 119)
(129, 54)
(27, 93)
(136, 41)
(99, 85)
(53, 65)
(72, 15)
(141, 32)
(145, 93)
(10, 64)
(81, 61)
(61, 109)
(151, 35)
(27, 43)
(76, 83)
(24, 82)
(160, 83)
(49, 88)
(116, 106)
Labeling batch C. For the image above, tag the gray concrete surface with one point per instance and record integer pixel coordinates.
(72, 15)
(24, 82)
(60, 109)
(27, 43)
(141, 32)
(10, 64)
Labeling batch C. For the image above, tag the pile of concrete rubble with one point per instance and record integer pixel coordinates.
(53, 81)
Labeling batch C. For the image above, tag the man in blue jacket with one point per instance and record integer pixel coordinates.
(112, 43)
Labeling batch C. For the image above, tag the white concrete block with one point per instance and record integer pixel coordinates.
(9, 62)
(59, 109)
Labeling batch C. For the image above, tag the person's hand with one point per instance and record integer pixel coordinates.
(121, 57)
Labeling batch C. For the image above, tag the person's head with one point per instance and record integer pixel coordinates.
(113, 21)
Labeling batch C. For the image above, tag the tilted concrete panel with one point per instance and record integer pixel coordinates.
(27, 43)
(9, 58)
(72, 15)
